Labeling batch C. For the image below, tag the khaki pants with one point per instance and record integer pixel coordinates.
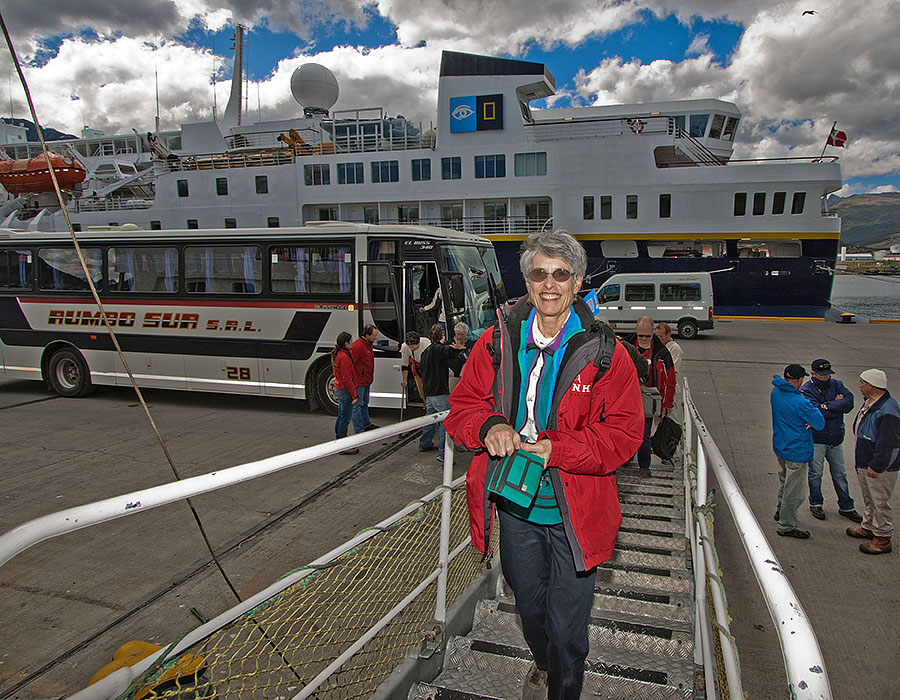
(878, 517)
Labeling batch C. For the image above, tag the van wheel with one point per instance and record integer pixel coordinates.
(325, 391)
(69, 375)
(688, 329)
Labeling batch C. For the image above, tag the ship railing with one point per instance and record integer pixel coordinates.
(222, 161)
(342, 623)
(803, 660)
(792, 159)
(599, 127)
(695, 150)
(108, 204)
(480, 226)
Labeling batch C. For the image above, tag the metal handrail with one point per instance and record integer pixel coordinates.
(803, 660)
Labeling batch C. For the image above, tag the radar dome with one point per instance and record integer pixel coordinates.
(315, 88)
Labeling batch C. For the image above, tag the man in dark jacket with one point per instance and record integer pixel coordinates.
(536, 387)
(877, 430)
(793, 420)
(661, 378)
(834, 400)
(435, 370)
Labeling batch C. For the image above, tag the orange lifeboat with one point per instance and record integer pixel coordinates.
(23, 175)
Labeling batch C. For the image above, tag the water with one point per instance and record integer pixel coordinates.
(872, 297)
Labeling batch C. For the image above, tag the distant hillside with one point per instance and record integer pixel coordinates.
(868, 219)
(49, 133)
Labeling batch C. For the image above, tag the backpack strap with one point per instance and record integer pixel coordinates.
(605, 351)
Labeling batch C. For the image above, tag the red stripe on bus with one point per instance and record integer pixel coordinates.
(321, 305)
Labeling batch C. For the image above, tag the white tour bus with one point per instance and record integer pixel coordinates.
(683, 300)
(247, 311)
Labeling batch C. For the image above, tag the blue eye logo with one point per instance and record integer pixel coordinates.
(462, 112)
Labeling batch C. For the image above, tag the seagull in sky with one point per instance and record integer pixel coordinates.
(808, 12)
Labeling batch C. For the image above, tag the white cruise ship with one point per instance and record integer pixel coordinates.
(645, 187)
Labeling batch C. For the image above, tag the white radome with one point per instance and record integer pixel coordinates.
(314, 87)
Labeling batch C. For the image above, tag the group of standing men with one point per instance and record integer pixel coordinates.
(808, 430)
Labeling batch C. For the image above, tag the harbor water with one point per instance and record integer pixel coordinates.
(868, 296)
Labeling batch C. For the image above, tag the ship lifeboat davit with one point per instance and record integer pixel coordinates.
(25, 176)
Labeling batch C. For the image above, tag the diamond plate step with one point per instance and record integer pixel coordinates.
(489, 669)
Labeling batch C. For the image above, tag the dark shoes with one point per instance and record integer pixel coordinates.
(878, 545)
(371, 426)
(645, 473)
(798, 534)
(430, 448)
(860, 533)
(536, 687)
(817, 512)
(351, 451)
(852, 514)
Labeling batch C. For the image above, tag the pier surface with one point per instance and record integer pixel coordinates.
(67, 604)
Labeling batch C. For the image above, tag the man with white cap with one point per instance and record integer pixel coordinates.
(877, 430)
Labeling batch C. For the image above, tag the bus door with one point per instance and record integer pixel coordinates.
(421, 285)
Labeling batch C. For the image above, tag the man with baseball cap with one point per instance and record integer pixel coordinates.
(793, 420)
(877, 430)
(834, 400)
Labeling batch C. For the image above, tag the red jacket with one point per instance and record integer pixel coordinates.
(599, 425)
(363, 361)
(661, 366)
(344, 374)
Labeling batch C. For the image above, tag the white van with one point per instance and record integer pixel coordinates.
(683, 300)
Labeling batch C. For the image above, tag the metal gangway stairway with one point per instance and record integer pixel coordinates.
(389, 614)
(641, 630)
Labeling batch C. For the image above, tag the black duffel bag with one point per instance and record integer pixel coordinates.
(666, 438)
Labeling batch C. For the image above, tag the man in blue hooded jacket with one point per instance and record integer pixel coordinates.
(793, 420)
(834, 401)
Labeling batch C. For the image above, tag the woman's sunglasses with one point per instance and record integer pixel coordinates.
(539, 275)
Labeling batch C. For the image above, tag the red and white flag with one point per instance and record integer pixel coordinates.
(836, 138)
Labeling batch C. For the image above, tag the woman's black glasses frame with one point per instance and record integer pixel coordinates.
(539, 274)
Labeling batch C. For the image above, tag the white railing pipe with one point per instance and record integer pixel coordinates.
(34, 531)
(803, 660)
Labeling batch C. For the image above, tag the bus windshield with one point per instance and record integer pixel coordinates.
(474, 288)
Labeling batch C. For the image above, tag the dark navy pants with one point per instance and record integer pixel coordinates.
(553, 600)
(644, 452)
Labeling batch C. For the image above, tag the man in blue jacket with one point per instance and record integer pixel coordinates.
(877, 430)
(834, 400)
(793, 420)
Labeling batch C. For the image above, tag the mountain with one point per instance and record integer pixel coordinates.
(49, 133)
(869, 219)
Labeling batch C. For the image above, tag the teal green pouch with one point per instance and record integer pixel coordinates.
(517, 477)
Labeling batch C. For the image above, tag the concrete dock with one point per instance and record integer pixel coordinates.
(68, 603)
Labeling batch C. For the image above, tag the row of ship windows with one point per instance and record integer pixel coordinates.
(486, 166)
(779, 200)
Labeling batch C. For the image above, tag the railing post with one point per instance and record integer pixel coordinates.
(440, 608)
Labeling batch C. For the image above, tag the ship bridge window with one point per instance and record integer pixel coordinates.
(640, 292)
(587, 208)
(15, 269)
(421, 169)
(317, 174)
(451, 168)
(605, 206)
(59, 269)
(385, 171)
(798, 202)
(778, 200)
(528, 164)
(489, 166)
(142, 269)
(759, 203)
(683, 291)
(698, 125)
(730, 128)
(715, 131)
(223, 269)
(311, 269)
(350, 173)
(679, 125)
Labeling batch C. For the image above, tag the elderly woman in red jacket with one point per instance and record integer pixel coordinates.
(549, 379)
(344, 385)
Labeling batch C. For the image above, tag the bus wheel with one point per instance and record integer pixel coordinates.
(325, 391)
(688, 329)
(69, 375)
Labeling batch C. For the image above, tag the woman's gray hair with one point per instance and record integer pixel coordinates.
(461, 327)
(558, 244)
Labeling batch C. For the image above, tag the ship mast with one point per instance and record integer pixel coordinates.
(233, 110)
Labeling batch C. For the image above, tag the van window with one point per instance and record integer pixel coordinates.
(608, 293)
(682, 291)
(640, 292)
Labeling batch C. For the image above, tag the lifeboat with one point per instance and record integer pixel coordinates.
(25, 176)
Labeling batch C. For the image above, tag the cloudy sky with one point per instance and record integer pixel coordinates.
(793, 73)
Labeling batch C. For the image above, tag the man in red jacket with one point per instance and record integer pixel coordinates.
(536, 385)
(364, 365)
